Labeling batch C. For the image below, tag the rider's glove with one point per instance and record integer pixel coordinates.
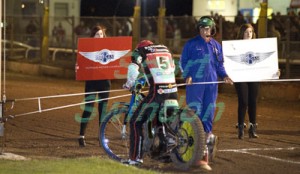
(125, 86)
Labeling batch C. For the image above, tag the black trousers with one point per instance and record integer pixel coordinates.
(94, 86)
(145, 111)
(247, 93)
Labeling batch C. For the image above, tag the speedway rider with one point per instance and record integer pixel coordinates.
(156, 63)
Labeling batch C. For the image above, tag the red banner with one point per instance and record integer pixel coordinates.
(103, 58)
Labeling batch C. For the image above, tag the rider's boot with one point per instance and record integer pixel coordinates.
(136, 162)
(81, 141)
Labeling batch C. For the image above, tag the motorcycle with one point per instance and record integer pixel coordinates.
(174, 134)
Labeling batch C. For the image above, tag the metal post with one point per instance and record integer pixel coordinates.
(45, 40)
(1, 51)
(73, 40)
(262, 23)
(1, 119)
(2, 138)
(3, 76)
(145, 8)
(136, 23)
(161, 22)
(287, 44)
(221, 28)
(114, 21)
(1, 113)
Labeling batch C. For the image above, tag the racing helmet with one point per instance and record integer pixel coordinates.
(139, 51)
(144, 43)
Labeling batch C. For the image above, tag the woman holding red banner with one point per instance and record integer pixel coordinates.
(102, 86)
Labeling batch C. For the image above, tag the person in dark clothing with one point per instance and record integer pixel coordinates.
(239, 19)
(94, 86)
(247, 93)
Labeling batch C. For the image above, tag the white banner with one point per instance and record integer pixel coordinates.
(251, 60)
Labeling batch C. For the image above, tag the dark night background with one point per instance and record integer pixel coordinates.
(125, 7)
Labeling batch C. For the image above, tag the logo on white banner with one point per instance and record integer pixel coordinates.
(104, 56)
(250, 58)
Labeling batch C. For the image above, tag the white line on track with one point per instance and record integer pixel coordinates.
(257, 149)
(246, 151)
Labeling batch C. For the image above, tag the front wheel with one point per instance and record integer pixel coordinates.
(191, 144)
(114, 133)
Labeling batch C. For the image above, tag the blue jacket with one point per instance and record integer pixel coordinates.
(202, 61)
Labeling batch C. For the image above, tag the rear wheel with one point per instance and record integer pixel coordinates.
(191, 144)
(114, 134)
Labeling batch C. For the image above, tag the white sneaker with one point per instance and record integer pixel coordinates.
(212, 147)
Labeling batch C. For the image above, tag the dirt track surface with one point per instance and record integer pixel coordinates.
(53, 134)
